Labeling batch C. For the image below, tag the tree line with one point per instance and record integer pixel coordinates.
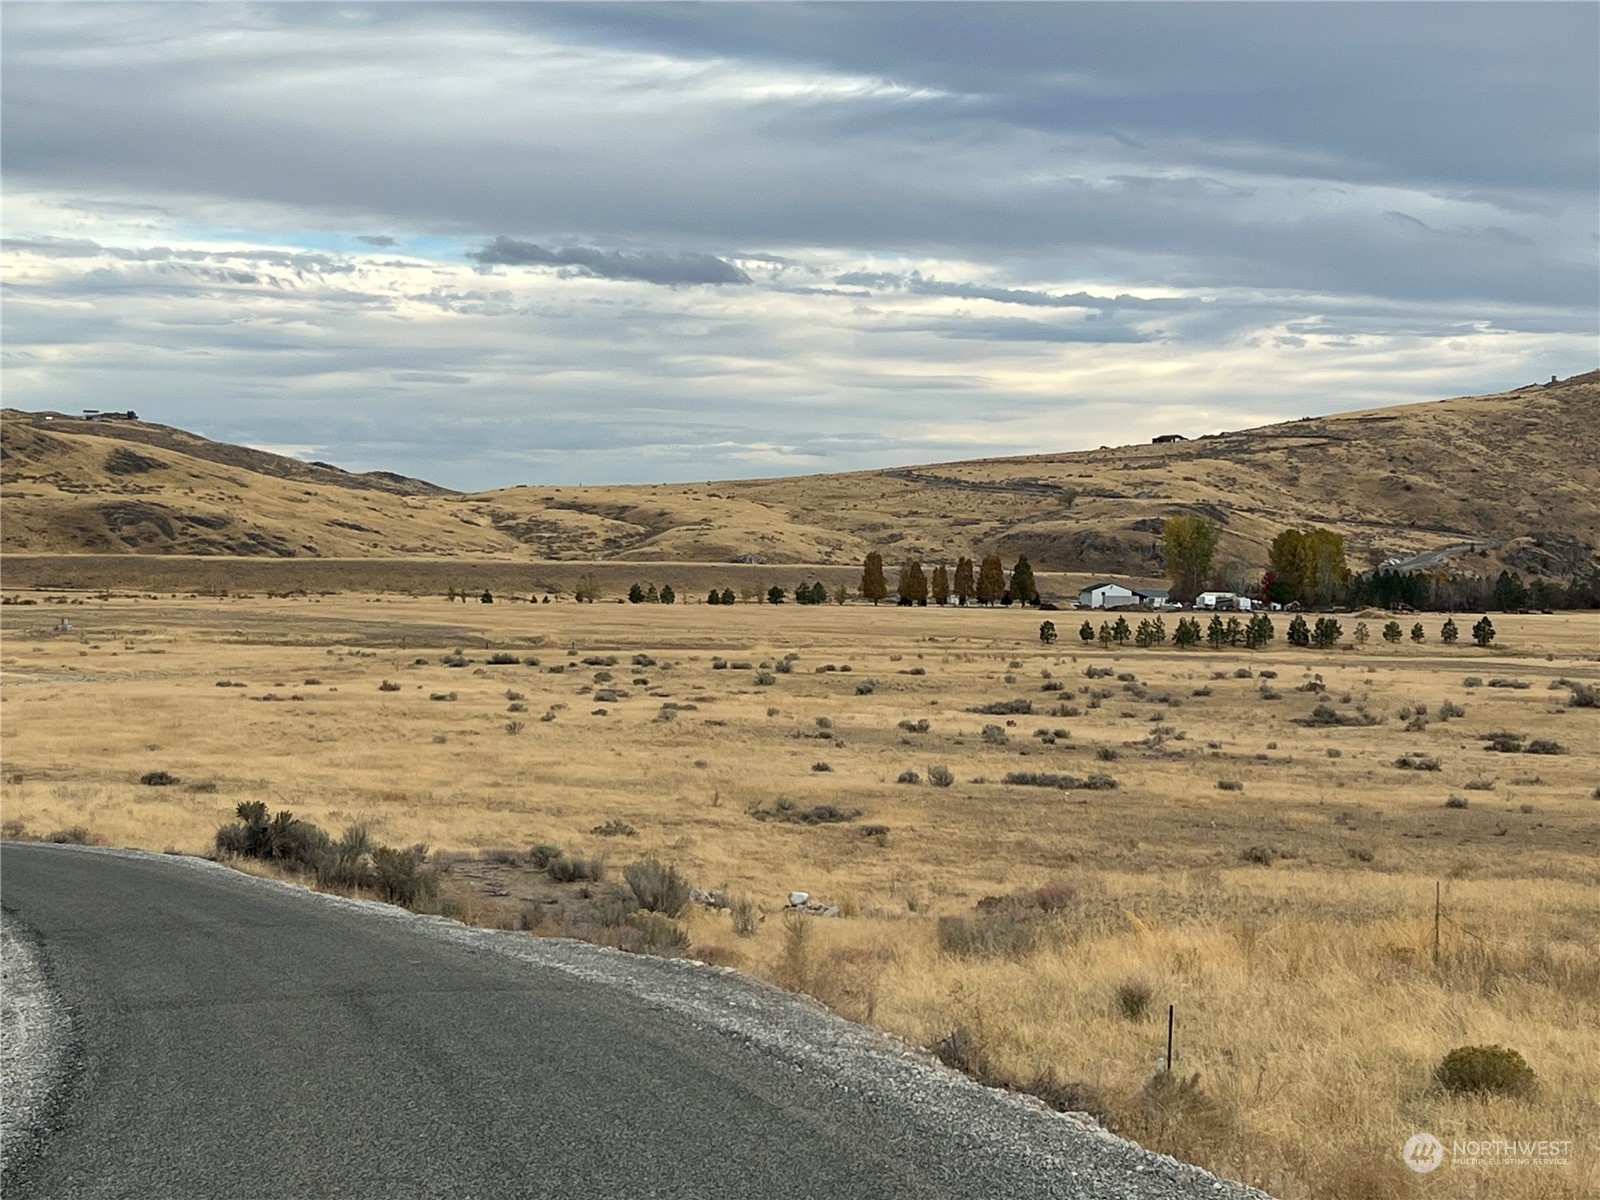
(988, 583)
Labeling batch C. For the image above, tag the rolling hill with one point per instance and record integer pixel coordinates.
(1514, 473)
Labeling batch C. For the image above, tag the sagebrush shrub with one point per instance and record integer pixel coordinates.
(1486, 1070)
(569, 868)
(659, 934)
(657, 886)
(1133, 998)
(940, 775)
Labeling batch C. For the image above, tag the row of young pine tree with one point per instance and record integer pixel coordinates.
(987, 584)
(1254, 633)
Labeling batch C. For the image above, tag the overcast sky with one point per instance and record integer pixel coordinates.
(491, 244)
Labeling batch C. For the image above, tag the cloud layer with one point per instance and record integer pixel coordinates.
(516, 243)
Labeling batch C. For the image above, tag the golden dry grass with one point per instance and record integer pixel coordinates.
(1306, 993)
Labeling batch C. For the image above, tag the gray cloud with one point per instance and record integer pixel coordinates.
(914, 283)
(646, 266)
(1257, 211)
(1018, 329)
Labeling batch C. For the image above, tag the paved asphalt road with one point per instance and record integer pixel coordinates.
(237, 1038)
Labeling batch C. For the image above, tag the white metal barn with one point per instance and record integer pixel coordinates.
(1105, 595)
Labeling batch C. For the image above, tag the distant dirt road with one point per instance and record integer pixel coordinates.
(238, 1038)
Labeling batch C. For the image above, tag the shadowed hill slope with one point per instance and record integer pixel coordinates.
(1516, 473)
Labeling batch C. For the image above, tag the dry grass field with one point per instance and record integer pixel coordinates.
(1288, 917)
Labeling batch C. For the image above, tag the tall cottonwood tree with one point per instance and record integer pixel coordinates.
(991, 580)
(964, 588)
(874, 586)
(1311, 562)
(1187, 544)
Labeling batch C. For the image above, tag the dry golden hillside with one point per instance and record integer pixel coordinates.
(1517, 473)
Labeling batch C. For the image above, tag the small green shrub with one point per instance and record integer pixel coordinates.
(502, 659)
(542, 854)
(569, 868)
(158, 779)
(1023, 707)
(1456, 802)
(1133, 999)
(909, 777)
(1230, 785)
(1486, 1070)
(657, 886)
(399, 875)
(940, 775)
(1544, 746)
(659, 934)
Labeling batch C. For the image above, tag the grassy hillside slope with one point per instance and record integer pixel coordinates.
(1516, 472)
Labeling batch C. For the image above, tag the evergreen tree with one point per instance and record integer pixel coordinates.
(965, 589)
(1326, 634)
(1216, 633)
(1392, 632)
(1362, 633)
(1023, 589)
(1047, 632)
(1483, 631)
(1449, 632)
(1234, 633)
(1299, 631)
(1187, 633)
(1509, 592)
(1086, 632)
(713, 597)
(1158, 632)
(1144, 635)
(1259, 631)
(1121, 632)
(940, 588)
(651, 596)
(991, 580)
(913, 584)
(1416, 633)
(841, 594)
(775, 594)
(636, 594)
(1105, 634)
(874, 586)
(727, 595)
